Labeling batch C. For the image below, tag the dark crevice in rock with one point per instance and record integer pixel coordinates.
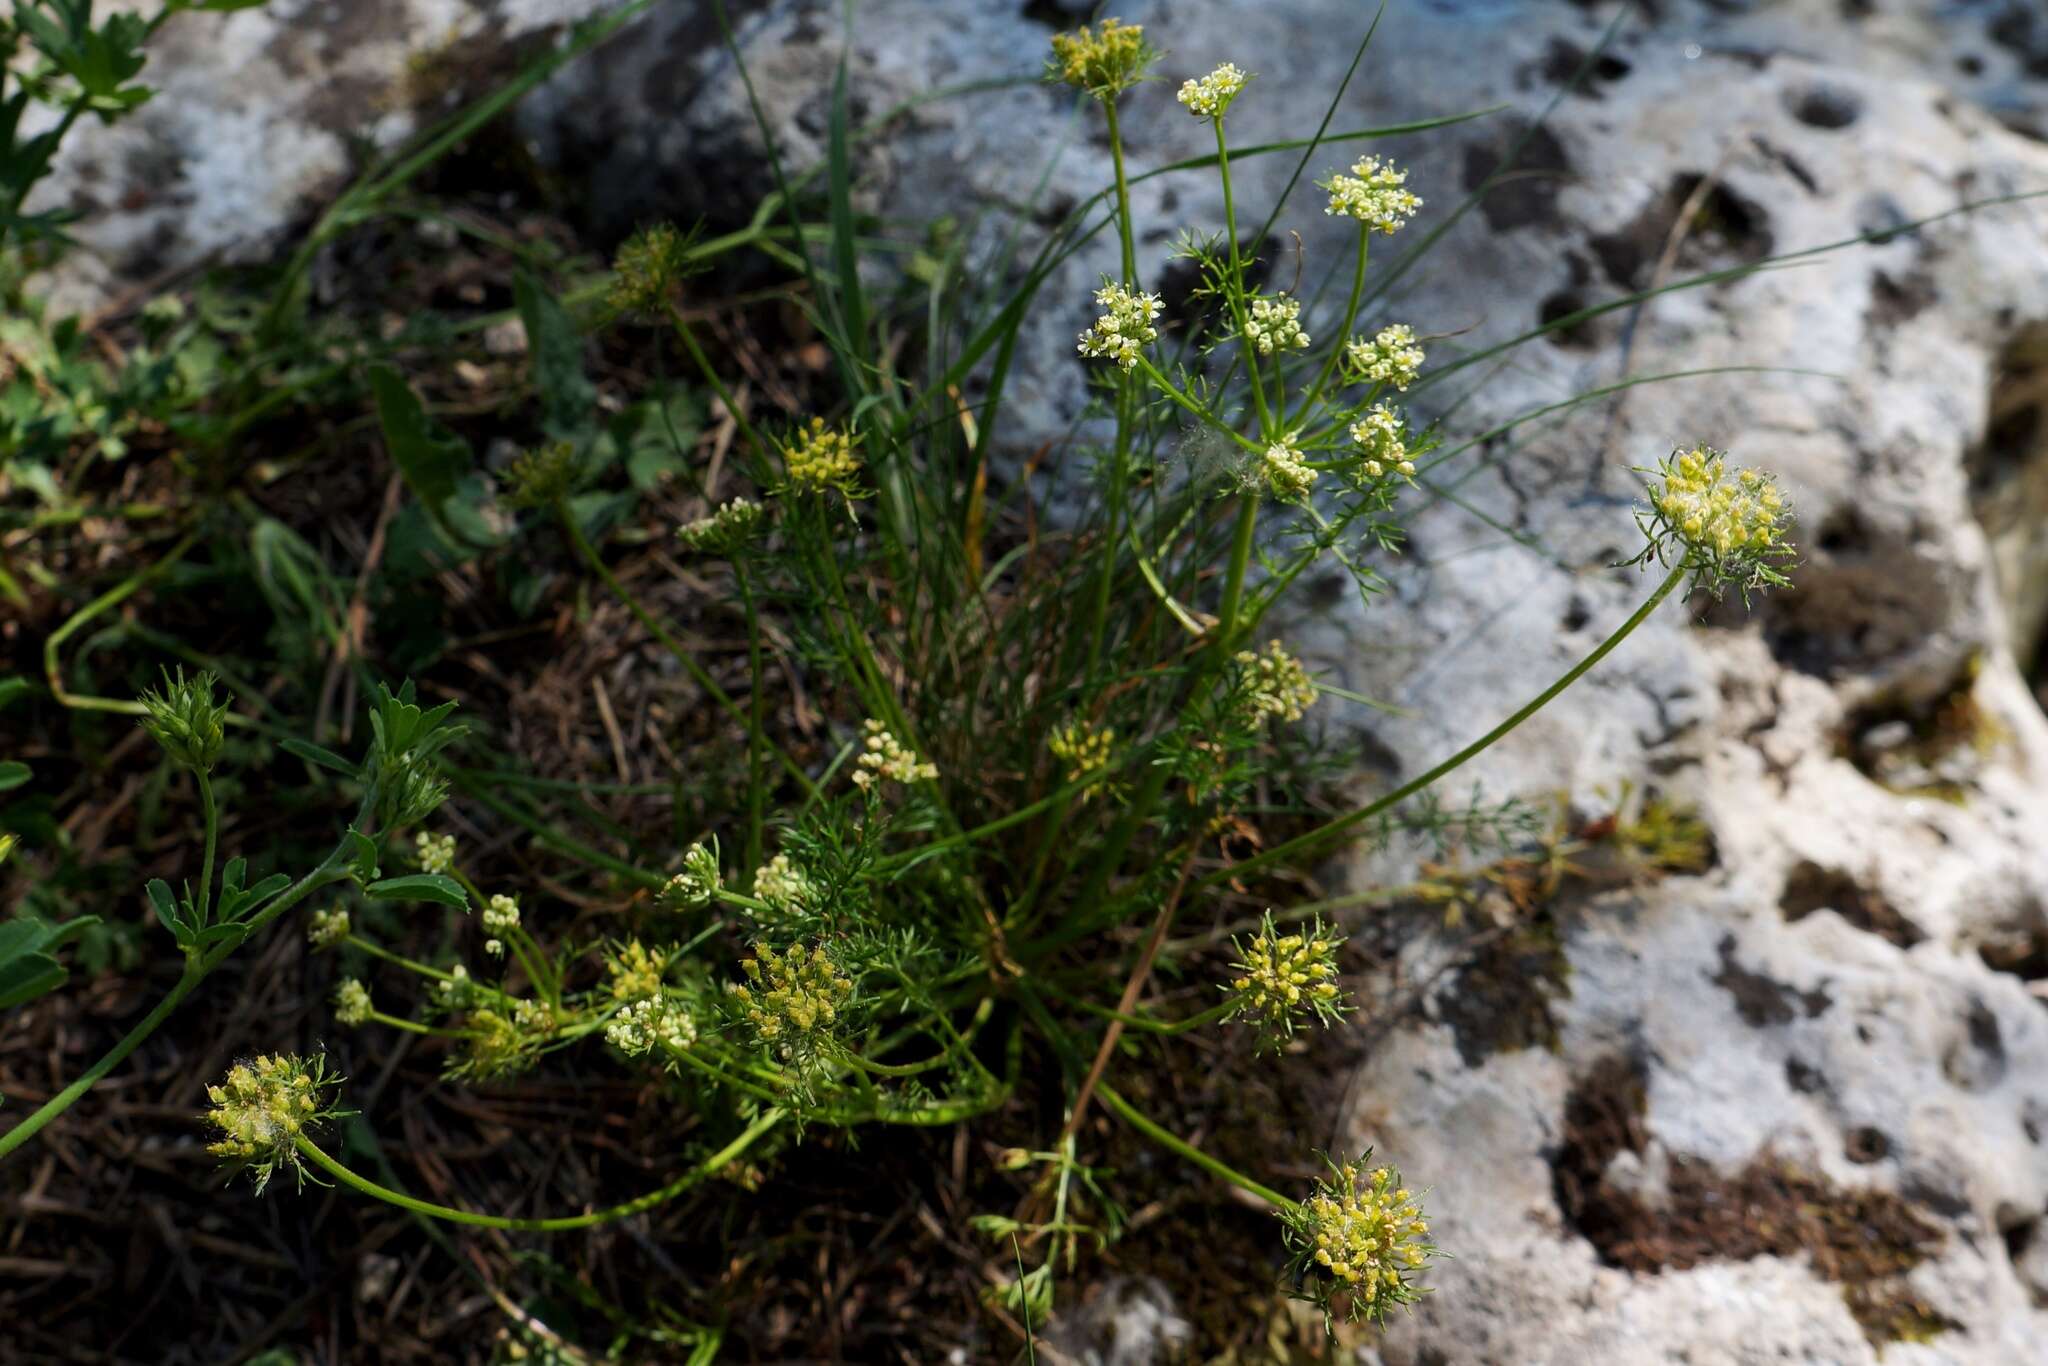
(2008, 473)
(1725, 228)
(1763, 1001)
(1810, 887)
(1524, 191)
(1923, 746)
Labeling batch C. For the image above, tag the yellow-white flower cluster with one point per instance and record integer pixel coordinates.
(1286, 471)
(436, 852)
(1274, 683)
(1374, 193)
(1210, 97)
(790, 1000)
(501, 917)
(634, 972)
(821, 458)
(782, 884)
(883, 756)
(1081, 747)
(697, 883)
(262, 1107)
(1365, 1232)
(1392, 357)
(1382, 440)
(656, 1022)
(1717, 512)
(325, 929)
(1275, 325)
(726, 530)
(1281, 977)
(351, 1003)
(1125, 327)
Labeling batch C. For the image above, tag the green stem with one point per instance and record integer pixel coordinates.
(1174, 1143)
(415, 1027)
(709, 1165)
(1324, 833)
(1315, 391)
(757, 786)
(1233, 582)
(212, 810)
(1236, 291)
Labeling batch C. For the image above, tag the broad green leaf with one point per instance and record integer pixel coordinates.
(431, 459)
(13, 773)
(362, 853)
(445, 891)
(166, 907)
(566, 394)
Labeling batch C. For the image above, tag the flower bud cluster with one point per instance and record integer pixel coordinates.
(1286, 471)
(541, 478)
(726, 531)
(821, 458)
(1730, 525)
(1081, 747)
(884, 757)
(634, 972)
(783, 885)
(1374, 193)
(325, 929)
(697, 883)
(1282, 978)
(1275, 325)
(790, 1000)
(351, 1003)
(436, 852)
(183, 717)
(501, 917)
(1274, 684)
(1104, 60)
(1125, 327)
(648, 268)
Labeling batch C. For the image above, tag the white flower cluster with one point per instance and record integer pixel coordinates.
(656, 1022)
(782, 884)
(436, 852)
(1374, 194)
(327, 928)
(351, 1003)
(1275, 684)
(884, 756)
(1381, 437)
(501, 917)
(454, 992)
(1286, 472)
(1392, 357)
(1124, 327)
(1275, 325)
(1209, 97)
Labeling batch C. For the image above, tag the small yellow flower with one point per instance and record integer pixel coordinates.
(1382, 441)
(1286, 471)
(1731, 525)
(325, 929)
(1374, 193)
(1104, 60)
(822, 458)
(783, 885)
(351, 1003)
(634, 972)
(790, 1003)
(436, 852)
(699, 881)
(1081, 747)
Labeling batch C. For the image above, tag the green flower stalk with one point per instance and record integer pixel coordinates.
(1360, 1239)
(261, 1109)
(183, 717)
(1284, 980)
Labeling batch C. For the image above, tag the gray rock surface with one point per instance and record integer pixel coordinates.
(1854, 990)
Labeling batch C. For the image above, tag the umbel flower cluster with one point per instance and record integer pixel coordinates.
(1375, 193)
(1080, 747)
(727, 531)
(1361, 1237)
(782, 884)
(656, 1022)
(1275, 325)
(822, 458)
(790, 1002)
(697, 883)
(1210, 97)
(1102, 60)
(1284, 979)
(1728, 526)
(1274, 684)
(1125, 327)
(262, 1107)
(883, 756)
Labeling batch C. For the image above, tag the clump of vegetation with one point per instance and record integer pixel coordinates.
(939, 779)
